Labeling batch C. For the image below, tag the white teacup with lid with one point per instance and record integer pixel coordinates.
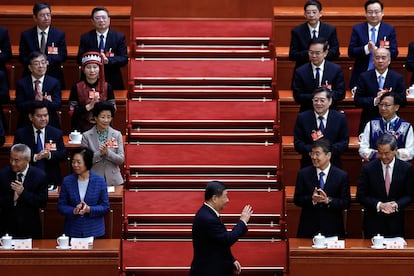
(319, 241)
(6, 241)
(410, 91)
(377, 241)
(75, 137)
(63, 241)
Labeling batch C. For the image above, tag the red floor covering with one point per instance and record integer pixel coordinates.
(181, 205)
(198, 113)
(256, 257)
(190, 158)
(203, 28)
(202, 70)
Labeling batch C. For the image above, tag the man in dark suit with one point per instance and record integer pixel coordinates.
(211, 240)
(322, 190)
(302, 34)
(5, 49)
(368, 36)
(23, 190)
(54, 46)
(409, 64)
(374, 83)
(110, 43)
(48, 150)
(385, 189)
(317, 73)
(309, 128)
(38, 87)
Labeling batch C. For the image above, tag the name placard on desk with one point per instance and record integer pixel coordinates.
(339, 244)
(22, 244)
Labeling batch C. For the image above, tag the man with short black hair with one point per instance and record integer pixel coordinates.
(211, 240)
(322, 190)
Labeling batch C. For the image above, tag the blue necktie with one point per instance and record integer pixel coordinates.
(101, 43)
(371, 56)
(321, 182)
(381, 82)
(314, 34)
(321, 125)
(39, 147)
(318, 76)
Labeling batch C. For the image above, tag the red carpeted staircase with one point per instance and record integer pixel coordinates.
(202, 106)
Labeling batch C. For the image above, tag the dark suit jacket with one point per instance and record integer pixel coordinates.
(322, 218)
(115, 43)
(212, 242)
(359, 38)
(22, 220)
(25, 96)
(29, 42)
(409, 65)
(371, 190)
(5, 47)
(92, 224)
(304, 84)
(367, 89)
(300, 39)
(25, 135)
(336, 131)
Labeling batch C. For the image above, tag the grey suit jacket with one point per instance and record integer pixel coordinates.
(108, 165)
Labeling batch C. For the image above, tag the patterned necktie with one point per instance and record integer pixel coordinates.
(101, 43)
(387, 179)
(43, 42)
(39, 144)
(318, 76)
(314, 34)
(321, 182)
(371, 56)
(321, 125)
(38, 91)
(381, 82)
(20, 177)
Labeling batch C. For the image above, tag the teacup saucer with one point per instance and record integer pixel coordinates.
(378, 247)
(75, 142)
(60, 247)
(319, 247)
(7, 248)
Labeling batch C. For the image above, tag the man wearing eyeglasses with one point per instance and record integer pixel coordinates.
(368, 36)
(389, 122)
(38, 87)
(318, 72)
(373, 83)
(313, 28)
(46, 39)
(110, 43)
(321, 122)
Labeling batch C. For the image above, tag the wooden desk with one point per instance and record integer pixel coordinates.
(356, 259)
(45, 259)
(53, 221)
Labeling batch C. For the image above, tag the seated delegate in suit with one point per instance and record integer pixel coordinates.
(5, 49)
(389, 122)
(45, 142)
(211, 240)
(53, 47)
(302, 34)
(409, 64)
(83, 198)
(317, 73)
(23, 191)
(368, 36)
(385, 189)
(106, 144)
(91, 89)
(322, 190)
(373, 83)
(309, 128)
(38, 87)
(107, 41)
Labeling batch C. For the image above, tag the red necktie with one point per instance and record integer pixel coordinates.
(387, 179)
